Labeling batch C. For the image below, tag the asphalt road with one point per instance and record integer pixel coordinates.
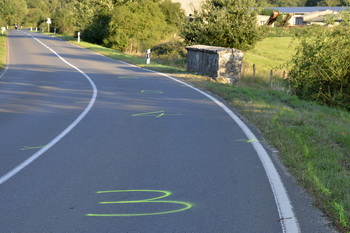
(89, 144)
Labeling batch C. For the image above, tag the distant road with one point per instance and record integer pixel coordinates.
(89, 144)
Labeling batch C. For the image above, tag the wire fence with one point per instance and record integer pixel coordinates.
(273, 79)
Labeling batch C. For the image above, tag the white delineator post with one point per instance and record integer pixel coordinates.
(48, 24)
(148, 56)
(78, 37)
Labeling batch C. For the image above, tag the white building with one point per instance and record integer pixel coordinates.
(309, 15)
(190, 5)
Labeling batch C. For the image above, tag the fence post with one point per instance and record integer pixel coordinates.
(271, 77)
(254, 71)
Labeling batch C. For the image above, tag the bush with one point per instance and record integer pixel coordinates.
(166, 49)
(282, 31)
(321, 67)
(136, 26)
(172, 53)
(64, 21)
(98, 29)
(226, 23)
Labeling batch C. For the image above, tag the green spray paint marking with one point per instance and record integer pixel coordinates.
(32, 147)
(186, 205)
(247, 141)
(128, 77)
(154, 114)
(151, 92)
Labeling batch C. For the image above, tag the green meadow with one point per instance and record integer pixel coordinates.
(269, 54)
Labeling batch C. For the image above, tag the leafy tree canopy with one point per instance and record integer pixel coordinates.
(13, 11)
(227, 23)
(300, 3)
(137, 25)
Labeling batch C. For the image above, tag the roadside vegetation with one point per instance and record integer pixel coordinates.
(301, 107)
(3, 51)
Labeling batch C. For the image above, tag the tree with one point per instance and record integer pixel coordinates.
(38, 10)
(174, 14)
(334, 3)
(65, 21)
(13, 11)
(289, 3)
(136, 25)
(321, 67)
(227, 23)
(98, 29)
(312, 2)
(329, 3)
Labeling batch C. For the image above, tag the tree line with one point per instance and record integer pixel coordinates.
(300, 3)
(79, 12)
(119, 24)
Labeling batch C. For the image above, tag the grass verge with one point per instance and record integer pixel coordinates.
(3, 51)
(313, 140)
(139, 61)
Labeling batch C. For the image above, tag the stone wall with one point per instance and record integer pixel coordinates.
(222, 64)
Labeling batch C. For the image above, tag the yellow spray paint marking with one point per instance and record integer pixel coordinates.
(247, 141)
(128, 77)
(32, 147)
(154, 114)
(151, 92)
(185, 205)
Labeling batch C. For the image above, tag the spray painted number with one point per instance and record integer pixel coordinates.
(159, 199)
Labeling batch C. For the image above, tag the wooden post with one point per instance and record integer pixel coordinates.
(254, 71)
(271, 77)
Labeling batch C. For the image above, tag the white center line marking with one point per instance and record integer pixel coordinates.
(31, 159)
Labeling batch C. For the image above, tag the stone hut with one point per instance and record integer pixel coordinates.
(222, 64)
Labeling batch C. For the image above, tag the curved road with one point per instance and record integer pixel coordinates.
(89, 144)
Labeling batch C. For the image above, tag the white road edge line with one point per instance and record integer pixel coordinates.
(28, 161)
(289, 221)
